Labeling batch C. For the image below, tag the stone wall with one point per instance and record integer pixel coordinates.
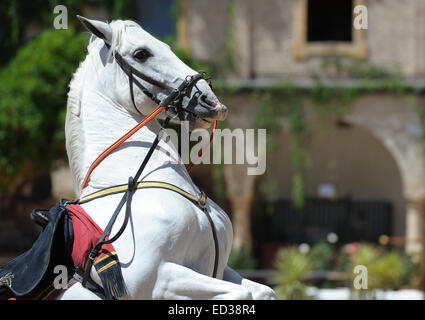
(264, 36)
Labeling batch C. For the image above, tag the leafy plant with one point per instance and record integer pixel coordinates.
(241, 258)
(386, 270)
(322, 256)
(33, 88)
(293, 267)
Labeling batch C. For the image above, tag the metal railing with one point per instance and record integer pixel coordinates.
(266, 275)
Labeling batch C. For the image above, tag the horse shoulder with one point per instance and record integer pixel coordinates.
(167, 211)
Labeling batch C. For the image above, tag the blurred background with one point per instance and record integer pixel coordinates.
(344, 111)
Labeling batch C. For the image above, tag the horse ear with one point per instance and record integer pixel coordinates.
(100, 29)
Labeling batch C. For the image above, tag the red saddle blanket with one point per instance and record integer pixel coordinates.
(86, 235)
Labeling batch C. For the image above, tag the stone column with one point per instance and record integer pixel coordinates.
(243, 33)
(240, 192)
(182, 25)
(415, 234)
(240, 187)
(415, 226)
(241, 209)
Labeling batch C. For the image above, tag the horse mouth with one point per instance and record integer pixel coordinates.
(205, 122)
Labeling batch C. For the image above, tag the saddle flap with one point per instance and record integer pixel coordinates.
(40, 217)
(32, 271)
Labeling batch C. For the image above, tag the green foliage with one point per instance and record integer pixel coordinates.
(33, 90)
(241, 258)
(322, 256)
(18, 15)
(386, 270)
(410, 270)
(334, 66)
(293, 268)
(330, 102)
(283, 101)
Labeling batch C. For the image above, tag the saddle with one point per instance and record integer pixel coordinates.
(67, 238)
(31, 274)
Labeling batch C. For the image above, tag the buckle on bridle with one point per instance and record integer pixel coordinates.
(171, 112)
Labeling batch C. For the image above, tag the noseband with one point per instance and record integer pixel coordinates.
(173, 100)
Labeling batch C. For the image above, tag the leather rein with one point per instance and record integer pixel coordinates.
(172, 106)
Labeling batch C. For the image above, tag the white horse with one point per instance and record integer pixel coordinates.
(167, 250)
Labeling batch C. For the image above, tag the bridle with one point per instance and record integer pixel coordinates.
(176, 94)
(172, 104)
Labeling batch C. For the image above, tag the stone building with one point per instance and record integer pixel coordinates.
(374, 152)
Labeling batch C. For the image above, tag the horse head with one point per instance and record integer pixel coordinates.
(154, 72)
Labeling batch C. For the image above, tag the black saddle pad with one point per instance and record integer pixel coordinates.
(32, 272)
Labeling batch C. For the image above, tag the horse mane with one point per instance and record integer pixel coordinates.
(73, 128)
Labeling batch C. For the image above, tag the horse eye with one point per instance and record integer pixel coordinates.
(142, 55)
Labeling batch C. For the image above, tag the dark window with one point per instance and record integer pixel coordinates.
(329, 20)
(157, 17)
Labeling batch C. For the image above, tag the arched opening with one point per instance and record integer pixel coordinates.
(353, 188)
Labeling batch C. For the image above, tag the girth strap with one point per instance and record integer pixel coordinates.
(198, 201)
(144, 185)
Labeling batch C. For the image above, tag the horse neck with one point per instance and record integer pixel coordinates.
(100, 123)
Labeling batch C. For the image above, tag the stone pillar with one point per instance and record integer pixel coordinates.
(415, 226)
(240, 192)
(183, 25)
(243, 33)
(240, 187)
(415, 234)
(241, 210)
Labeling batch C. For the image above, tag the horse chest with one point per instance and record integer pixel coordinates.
(213, 240)
(221, 224)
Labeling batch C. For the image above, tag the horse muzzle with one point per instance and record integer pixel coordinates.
(205, 118)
